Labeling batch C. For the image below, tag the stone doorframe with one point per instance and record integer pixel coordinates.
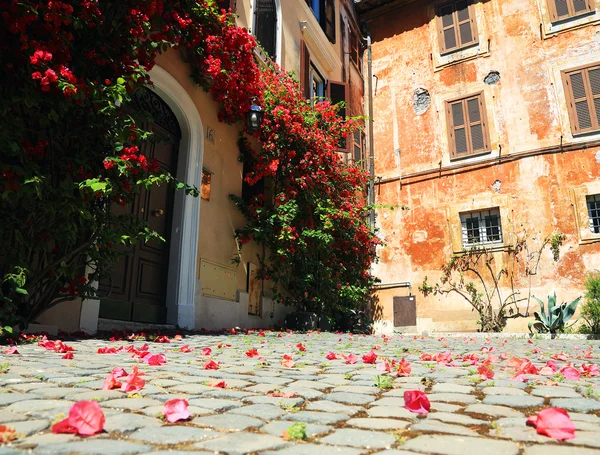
(181, 277)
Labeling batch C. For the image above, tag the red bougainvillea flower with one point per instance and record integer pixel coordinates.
(426, 357)
(211, 365)
(287, 361)
(156, 360)
(560, 356)
(7, 434)
(589, 370)
(554, 423)
(351, 359)
(330, 356)
(384, 366)
(282, 394)
(11, 350)
(206, 351)
(162, 339)
(485, 371)
(569, 372)
(218, 384)
(85, 419)
(301, 347)
(252, 352)
(68, 356)
(186, 348)
(107, 350)
(371, 357)
(416, 401)
(134, 381)
(176, 409)
(404, 368)
(443, 357)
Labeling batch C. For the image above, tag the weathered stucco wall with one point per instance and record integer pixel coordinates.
(526, 110)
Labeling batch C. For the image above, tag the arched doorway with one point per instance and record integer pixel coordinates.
(137, 288)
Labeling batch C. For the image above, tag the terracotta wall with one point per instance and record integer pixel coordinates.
(527, 111)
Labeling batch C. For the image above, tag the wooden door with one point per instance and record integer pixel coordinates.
(138, 284)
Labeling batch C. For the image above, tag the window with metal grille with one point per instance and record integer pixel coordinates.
(481, 227)
(467, 126)
(265, 25)
(582, 89)
(566, 9)
(226, 4)
(593, 206)
(456, 25)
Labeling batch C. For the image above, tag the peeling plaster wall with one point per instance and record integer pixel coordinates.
(526, 111)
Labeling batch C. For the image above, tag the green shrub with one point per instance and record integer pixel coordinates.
(590, 311)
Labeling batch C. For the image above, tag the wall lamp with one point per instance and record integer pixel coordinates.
(254, 117)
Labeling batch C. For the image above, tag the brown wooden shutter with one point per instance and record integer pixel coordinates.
(456, 25)
(446, 27)
(582, 89)
(304, 69)
(467, 126)
(564, 9)
(329, 20)
(338, 92)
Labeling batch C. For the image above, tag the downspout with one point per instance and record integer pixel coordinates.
(371, 189)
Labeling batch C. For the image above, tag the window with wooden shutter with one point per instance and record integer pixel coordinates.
(467, 126)
(265, 25)
(582, 89)
(328, 22)
(456, 25)
(305, 80)
(566, 9)
(338, 92)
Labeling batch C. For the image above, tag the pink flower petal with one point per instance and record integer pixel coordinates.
(176, 409)
(416, 401)
(554, 423)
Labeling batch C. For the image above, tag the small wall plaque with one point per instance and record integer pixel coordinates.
(210, 134)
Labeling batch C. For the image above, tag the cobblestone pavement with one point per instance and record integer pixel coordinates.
(344, 410)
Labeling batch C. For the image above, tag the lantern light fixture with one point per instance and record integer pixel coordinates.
(254, 117)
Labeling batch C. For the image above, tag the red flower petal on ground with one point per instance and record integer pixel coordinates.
(330, 356)
(352, 359)
(589, 370)
(252, 352)
(554, 423)
(301, 347)
(7, 434)
(371, 357)
(156, 360)
(211, 365)
(569, 372)
(85, 418)
(186, 348)
(176, 409)
(486, 372)
(11, 350)
(133, 382)
(206, 351)
(162, 339)
(425, 357)
(416, 401)
(218, 384)
(282, 394)
(68, 356)
(384, 366)
(404, 368)
(287, 361)
(561, 356)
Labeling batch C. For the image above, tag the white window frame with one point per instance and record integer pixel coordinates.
(594, 220)
(317, 78)
(482, 228)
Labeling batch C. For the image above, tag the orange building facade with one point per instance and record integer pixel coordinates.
(486, 130)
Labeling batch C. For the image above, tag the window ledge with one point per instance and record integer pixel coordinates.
(472, 155)
(593, 238)
(319, 45)
(551, 29)
(490, 247)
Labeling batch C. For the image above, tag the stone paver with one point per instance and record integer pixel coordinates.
(340, 405)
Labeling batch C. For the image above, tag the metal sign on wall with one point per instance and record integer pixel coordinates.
(405, 311)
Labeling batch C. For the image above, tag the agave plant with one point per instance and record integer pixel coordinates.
(555, 319)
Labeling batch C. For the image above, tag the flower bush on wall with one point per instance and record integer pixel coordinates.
(70, 149)
(320, 246)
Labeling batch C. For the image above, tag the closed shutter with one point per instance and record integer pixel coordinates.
(329, 22)
(582, 89)
(564, 9)
(457, 27)
(467, 126)
(304, 69)
(338, 92)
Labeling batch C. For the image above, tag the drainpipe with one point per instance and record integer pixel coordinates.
(371, 189)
